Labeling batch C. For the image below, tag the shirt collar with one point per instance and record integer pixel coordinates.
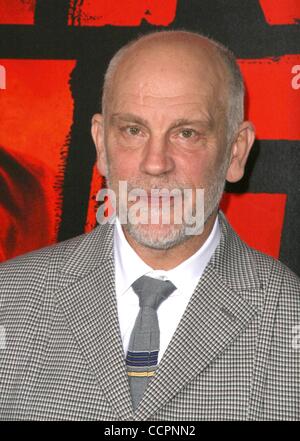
(129, 266)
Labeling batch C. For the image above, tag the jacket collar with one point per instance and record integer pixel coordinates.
(234, 258)
(89, 251)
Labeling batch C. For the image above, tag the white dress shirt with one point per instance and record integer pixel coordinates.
(129, 267)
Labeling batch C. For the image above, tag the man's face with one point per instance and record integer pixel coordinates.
(164, 127)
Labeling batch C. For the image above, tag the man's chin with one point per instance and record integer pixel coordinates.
(156, 236)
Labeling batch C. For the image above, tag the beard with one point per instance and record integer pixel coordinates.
(162, 236)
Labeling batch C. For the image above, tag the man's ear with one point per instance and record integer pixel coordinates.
(240, 150)
(98, 137)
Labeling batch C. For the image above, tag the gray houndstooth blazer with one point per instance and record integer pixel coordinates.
(234, 355)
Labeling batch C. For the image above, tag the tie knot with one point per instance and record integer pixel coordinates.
(152, 292)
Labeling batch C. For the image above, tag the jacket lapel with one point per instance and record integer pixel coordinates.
(214, 318)
(89, 303)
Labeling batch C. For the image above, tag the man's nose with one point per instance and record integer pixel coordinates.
(157, 159)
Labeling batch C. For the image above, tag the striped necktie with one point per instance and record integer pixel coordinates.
(143, 346)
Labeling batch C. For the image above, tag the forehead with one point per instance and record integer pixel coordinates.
(168, 75)
(162, 112)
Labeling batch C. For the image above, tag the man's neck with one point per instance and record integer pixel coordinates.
(170, 258)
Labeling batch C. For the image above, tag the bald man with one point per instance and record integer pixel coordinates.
(162, 312)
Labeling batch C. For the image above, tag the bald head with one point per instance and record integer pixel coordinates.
(183, 51)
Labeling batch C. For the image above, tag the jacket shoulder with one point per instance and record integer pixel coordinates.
(35, 263)
(28, 274)
(244, 267)
(274, 272)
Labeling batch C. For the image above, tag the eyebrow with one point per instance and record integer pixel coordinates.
(130, 117)
(185, 122)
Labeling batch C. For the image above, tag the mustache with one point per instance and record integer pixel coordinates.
(147, 186)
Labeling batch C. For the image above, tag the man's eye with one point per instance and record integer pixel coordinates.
(132, 130)
(187, 133)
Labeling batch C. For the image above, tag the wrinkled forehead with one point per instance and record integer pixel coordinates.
(170, 69)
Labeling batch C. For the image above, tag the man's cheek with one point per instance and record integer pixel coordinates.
(125, 163)
(121, 169)
(191, 172)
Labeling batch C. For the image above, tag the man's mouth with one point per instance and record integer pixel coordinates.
(157, 201)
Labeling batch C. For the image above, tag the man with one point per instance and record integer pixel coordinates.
(220, 343)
